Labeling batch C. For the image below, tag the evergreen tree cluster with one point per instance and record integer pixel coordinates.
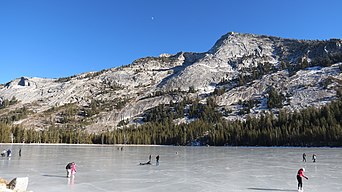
(275, 99)
(324, 61)
(249, 74)
(52, 135)
(14, 115)
(247, 105)
(186, 108)
(309, 127)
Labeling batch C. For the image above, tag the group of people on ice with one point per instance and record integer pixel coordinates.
(313, 157)
(71, 169)
(8, 152)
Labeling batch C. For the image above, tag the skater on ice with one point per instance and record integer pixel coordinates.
(304, 157)
(314, 158)
(70, 169)
(9, 153)
(73, 168)
(157, 160)
(300, 175)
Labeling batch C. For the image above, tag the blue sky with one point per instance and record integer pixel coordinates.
(59, 38)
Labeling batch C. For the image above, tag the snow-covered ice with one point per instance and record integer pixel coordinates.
(236, 169)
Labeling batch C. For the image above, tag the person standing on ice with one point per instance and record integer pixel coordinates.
(9, 153)
(304, 157)
(157, 160)
(300, 175)
(314, 158)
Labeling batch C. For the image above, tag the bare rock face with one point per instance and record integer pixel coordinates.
(24, 82)
(249, 49)
(105, 98)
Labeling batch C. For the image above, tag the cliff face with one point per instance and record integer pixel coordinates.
(242, 67)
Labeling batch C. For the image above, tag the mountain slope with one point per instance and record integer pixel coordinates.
(238, 69)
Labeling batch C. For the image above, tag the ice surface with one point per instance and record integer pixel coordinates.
(235, 169)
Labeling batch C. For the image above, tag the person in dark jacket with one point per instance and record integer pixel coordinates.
(157, 160)
(304, 157)
(314, 158)
(9, 153)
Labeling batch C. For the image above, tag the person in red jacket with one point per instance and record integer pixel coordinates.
(300, 174)
(73, 168)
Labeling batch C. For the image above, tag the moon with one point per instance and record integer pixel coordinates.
(152, 18)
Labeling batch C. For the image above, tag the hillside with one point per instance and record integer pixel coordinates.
(245, 75)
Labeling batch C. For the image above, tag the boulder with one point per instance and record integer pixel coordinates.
(24, 82)
(3, 182)
(18, 184)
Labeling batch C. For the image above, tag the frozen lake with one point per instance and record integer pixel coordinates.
(235, 169)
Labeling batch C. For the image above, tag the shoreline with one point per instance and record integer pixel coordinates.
(142, 145)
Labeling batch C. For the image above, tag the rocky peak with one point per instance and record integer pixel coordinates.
(20, 82)
(245, 50)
